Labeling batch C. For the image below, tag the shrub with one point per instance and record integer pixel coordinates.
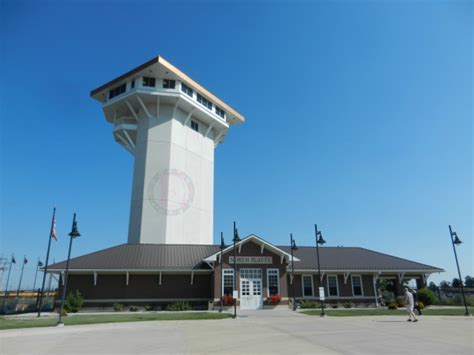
(347, 304)
(334, 305)
(133, 308)
(118, 307)
(426, 296)
(64, 313)
(179, 306)
(73, 302)
(470, 301)
(458, 301)
(400, 301)
(308, 304)
(148, 307)
(393, 305)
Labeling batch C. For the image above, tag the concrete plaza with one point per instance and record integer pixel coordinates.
(254, 332)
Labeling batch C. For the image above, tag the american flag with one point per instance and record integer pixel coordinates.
(53, 230)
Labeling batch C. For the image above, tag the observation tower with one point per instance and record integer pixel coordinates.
(171, 125)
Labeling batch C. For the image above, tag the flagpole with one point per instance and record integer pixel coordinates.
(40, 304)
(6, 286)
(21, 276)
(36, 274)
(50, 278)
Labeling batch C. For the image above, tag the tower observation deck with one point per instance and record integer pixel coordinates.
(171, 125)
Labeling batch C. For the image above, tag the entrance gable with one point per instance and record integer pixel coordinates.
(254, 247)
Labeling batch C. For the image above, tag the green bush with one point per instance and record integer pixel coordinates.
(73, 302)
(347, 304)
(388, 297)
(458, 301)
(308, 304)
(148, 307)
(400, 301)
(179, 306)
(133, 308)
(118, 307)
(63, 313)
(393, 305)
(426, 296)
(470, 301)
(334, 305)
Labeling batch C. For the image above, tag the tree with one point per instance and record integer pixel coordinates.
(74, 301)
(426, 296)
(444, 284)
(469, 281)
(456, 283)
(432, 286)
(386, 285)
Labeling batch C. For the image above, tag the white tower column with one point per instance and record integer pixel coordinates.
(172, 191)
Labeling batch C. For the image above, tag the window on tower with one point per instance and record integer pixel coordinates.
(169, 84)
(186, 89)
(203, 101)
(220, 112)
(117, 91)
(150, 82)
(195, 126)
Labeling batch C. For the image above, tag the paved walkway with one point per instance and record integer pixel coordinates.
(255, 332)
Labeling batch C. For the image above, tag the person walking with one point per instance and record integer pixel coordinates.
(415, 301)
(409, 304)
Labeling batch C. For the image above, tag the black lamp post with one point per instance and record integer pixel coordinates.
(456, 242)
(319, 240)
(222, 271)
(74, 234)
(293, 248)
(235, 240)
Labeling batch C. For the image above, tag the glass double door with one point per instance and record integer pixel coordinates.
(251, 289)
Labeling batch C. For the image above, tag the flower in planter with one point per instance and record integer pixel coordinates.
(274, 299)
(228, 300)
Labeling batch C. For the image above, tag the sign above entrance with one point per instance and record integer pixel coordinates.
(251, 260)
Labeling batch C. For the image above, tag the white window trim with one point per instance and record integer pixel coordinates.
(302, 286)
(243, 270)
(223, 276)
(361, 286)
(268, 281)
(337, 285)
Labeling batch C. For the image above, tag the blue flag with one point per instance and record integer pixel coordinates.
(13, 260)
(40, 264)
(25, 260)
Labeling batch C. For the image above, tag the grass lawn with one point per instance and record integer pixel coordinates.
(108, 318)
(353, 312)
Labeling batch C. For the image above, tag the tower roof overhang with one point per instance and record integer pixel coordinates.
(160, 66)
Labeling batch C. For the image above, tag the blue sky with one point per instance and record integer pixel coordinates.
(359, 118)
